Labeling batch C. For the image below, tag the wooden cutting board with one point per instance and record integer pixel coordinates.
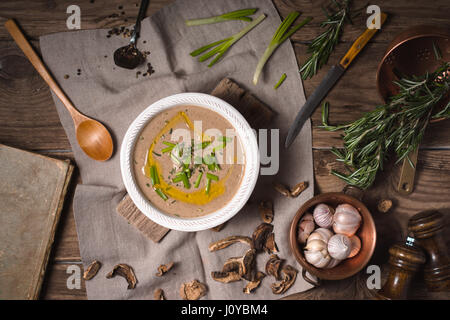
(32, 192)
(254, 111)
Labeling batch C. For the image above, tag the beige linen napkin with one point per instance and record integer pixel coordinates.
(116, 96)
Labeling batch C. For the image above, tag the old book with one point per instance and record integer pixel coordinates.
(32, 192)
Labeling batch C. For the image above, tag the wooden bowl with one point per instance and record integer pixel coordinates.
(366, 232)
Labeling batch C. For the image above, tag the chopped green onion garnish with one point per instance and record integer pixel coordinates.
(283, 77)
(281, 34)
(170, 144)
(154, 178)
(233, 15)
(185, 180)
(168, 149)
(208, 185)
(161, 194)
(225, 44)
(177, 179)
(212, 176)
(199, 179)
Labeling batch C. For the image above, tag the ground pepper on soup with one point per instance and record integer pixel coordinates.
(188, 161)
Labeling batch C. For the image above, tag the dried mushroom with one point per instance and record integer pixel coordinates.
(233, 264)
(282, 189)
(158, 294)
(384, 205)
(260, 235)
(270, 245)
(266, 211)
(299, 188)
(193, 290)
(219, 227)
(226, 277)
(289, 274)
(252, 285)
(248, 265)
(223, 243)
(125, 271)
(273, 266)
(164, 268)
(92, 270)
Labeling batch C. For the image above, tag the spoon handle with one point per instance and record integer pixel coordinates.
(137, 26)
(37, 63)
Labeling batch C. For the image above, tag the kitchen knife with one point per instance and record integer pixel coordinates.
(328, 82)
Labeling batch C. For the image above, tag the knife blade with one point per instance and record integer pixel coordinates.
(328, 82)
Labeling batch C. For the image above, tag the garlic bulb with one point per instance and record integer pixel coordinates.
(321, 234)
(346, 220)
(339, 246)
(305, 227)
(323, 215)
(356, 246)
(316, 253)
(333, 263)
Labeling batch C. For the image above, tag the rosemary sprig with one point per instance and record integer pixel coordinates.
(222, 46)
(398, 125)
(322, 46)
(233, 15)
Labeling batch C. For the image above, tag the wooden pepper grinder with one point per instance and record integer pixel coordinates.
(404, 261)
(427, 228)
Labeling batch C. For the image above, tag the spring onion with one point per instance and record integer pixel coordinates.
(233, 15)
(281, 34)
(154, 178)
(199, 179)
(161, 194)
(208, 185)
(212, 176)
(222, 46)
(280, 82)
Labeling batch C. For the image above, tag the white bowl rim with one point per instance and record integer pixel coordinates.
(251, 167)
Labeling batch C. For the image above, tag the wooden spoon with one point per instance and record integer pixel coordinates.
(93, 138)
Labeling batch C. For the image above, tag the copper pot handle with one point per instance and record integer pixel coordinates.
(309, 280)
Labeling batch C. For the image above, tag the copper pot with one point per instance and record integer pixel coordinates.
(412, 53)
(366, 232)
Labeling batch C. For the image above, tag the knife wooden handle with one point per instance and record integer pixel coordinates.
(359, 44)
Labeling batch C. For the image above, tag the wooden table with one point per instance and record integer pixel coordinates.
(28, 118)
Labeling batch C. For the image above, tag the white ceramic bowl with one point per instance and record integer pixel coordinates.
(251, 167)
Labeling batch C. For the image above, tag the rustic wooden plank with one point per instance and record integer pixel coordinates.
(42, 17)
(55, 283)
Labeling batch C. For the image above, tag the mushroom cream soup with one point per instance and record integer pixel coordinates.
(188, 161)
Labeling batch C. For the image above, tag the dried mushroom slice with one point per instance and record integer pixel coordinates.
(289, 274)
(273, 266)
(282, 189)
(248, 265)
(193, 290)
(164, 268)
(223, 243)
(226, 277)
(125, 271)
(159, 294)
(270, 245)
(266, 211)
(299, 188)
(260, 235)
(92, 270)
(252, 285)
(233, 264)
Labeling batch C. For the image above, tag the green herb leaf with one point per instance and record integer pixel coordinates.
(280, 82)
(233, 15)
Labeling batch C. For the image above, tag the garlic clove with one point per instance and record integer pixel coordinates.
(339, 246)
(305, 228)
(333, 263)
(346, 220)
(356, 246)
(317, 258)
(321, 234)
(323, 215)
